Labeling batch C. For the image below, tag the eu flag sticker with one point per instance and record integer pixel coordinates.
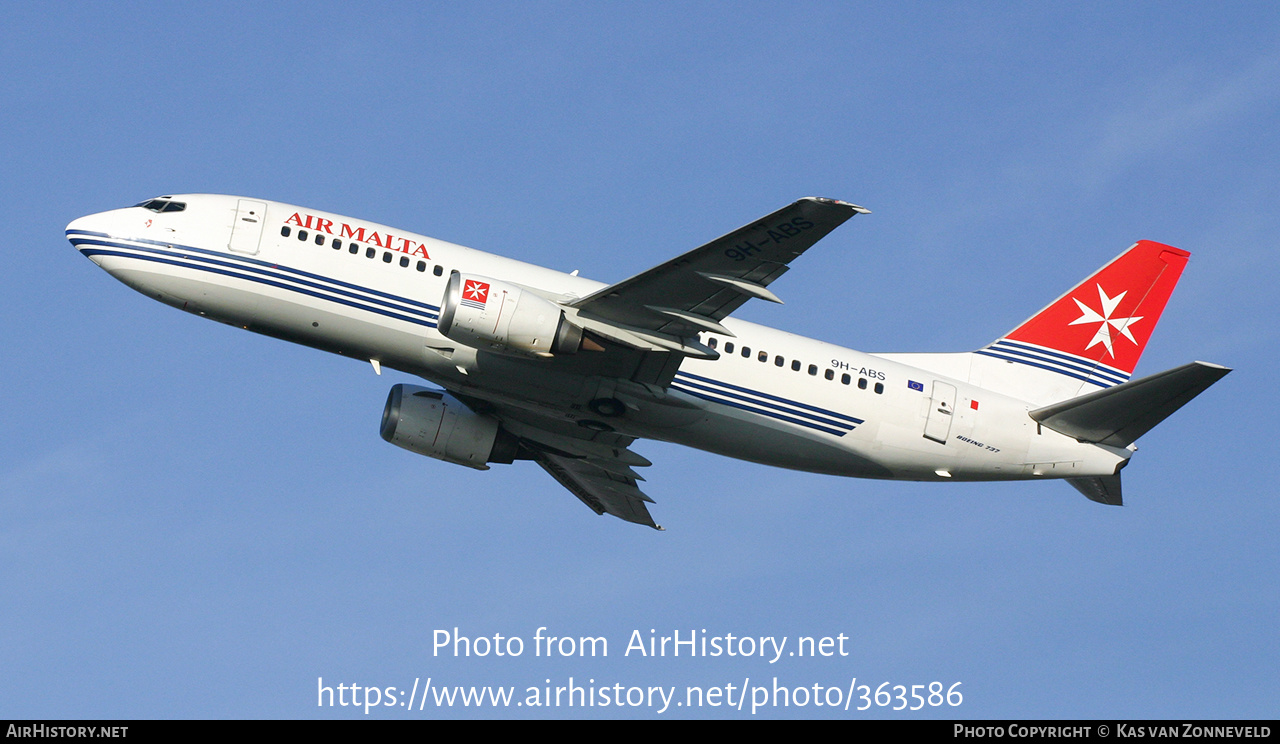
(915, 385)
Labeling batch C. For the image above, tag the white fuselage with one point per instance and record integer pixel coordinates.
(787, 401)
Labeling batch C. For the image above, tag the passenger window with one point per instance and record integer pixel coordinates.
(845, 378)
(284, 231)
(746, 352)
(404, 261)
(370, 253)
(829, 374)
(712, 342)
(319, 239)
(795, 365)
(337, 244)
(422, 266)
(862, 383)
(728, 347)
(355, 248)
(813, 369)
(438, 270)
(386, 257)
(302, 235)
(879, 388)
(763, 356)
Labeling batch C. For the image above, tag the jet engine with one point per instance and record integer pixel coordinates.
(501, 317)
(436, 424)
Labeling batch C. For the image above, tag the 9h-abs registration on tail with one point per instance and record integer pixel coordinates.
(534, 364)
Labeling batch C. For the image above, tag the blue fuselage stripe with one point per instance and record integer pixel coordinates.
(369, 304)
(760, 411)
(250, 262)
(1059, 370)
(688, 386)
(775, 398)
(1074, 363)
(233, 267)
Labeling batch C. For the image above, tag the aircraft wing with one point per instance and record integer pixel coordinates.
(595, 466)
(647, 324)
(599, 488)
(694, 292)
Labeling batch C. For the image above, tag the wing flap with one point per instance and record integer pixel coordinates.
(601, 490)
(595, 466)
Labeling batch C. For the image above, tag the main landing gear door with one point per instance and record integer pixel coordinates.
(246, 231)
(941, 411)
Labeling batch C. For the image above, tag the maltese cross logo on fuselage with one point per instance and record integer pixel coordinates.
(1105, 321)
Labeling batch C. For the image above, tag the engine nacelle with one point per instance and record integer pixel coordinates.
(501, 317)
(436, 424)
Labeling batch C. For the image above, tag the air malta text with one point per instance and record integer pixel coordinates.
(359, 234)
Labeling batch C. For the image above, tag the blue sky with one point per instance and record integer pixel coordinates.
(200, 522)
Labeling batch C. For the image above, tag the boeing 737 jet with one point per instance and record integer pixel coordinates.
(534, 364)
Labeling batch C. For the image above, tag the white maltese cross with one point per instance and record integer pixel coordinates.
(1103, 336)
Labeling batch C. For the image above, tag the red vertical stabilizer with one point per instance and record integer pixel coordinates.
(1097, 331)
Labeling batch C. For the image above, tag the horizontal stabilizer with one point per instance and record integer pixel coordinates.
(1104, 489)
(1119, 415)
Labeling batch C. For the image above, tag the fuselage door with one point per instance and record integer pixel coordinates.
(246, 231)
(941, 411)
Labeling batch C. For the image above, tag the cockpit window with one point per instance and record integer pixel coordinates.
(163, 204)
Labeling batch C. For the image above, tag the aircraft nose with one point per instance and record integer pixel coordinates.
(91, 224)
(114, 223)
(81, 229)
(86, 234)
(80, 224)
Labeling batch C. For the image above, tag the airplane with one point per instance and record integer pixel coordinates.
(529, 363)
